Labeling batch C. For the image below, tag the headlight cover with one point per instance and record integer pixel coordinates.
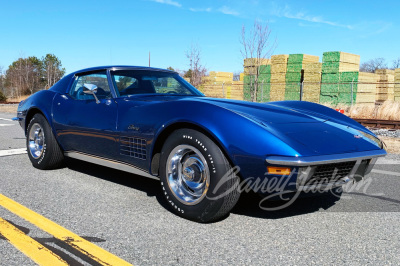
(372, 139)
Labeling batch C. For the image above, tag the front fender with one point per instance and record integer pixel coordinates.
(40, 102)
(245, 142)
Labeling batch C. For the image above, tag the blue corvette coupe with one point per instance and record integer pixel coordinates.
(152, 122)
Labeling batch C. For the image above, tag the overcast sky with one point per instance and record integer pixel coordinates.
(92, 33)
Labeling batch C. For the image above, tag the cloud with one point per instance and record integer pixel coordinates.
(228, 11)
(209, 9)
(287, 13)
(168, 2)
(371, 28)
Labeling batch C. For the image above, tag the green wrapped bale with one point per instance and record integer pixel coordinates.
(264, 69)
(264, 78)
(349, 76)
(329, 98)
(345, 98)
(293, 77)
(329, 88)
(292, 96)
(263, 94)
(331, 57)
(346, 87)
(292, 87)
(294, 67)
(330, 78)
(248, 85)
(295, 58)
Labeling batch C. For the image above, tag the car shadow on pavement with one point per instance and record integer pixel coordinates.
(248, 204)
(254, 205)
(147, 185)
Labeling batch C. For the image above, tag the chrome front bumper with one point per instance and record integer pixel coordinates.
(364, 162)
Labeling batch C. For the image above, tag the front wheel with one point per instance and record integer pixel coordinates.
(43, 149)
(197, 180)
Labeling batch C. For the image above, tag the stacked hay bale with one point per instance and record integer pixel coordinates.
(385, 87)
(366, 88)
(278, 77)
(217, 84)
(312, 82)
(397, 85)
(219, 77)
(236, 92)
(264, 83)
(251, 66)
(295, 65)
(348, 87)
(339, 71)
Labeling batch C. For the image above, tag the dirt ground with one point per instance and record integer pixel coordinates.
(9, 108)
(393, 144)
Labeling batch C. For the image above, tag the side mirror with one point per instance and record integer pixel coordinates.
(90, 89)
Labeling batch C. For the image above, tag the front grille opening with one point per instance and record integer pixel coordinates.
(331, 172)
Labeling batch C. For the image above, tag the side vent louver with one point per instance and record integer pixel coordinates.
(133, 147)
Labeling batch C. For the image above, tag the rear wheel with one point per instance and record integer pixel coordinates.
(43, 149)
(197, 180)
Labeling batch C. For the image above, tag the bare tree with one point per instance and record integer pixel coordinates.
(373, 64)
(236, 75)
(52, 70)
(2, 85)
(23, 76)
(396, 63)
(196, 68)
(256, 43)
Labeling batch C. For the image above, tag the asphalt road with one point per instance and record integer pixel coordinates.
(126, 215)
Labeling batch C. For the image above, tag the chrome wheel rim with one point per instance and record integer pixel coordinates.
(188, 175)
(36, 141)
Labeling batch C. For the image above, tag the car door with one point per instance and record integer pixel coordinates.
(84, 124)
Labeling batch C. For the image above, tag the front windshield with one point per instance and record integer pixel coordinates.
(132, 82)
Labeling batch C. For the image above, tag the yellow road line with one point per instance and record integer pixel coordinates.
(89, 249)
(31, 248)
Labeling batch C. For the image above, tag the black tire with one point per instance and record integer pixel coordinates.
(223, 189)
(51, 156)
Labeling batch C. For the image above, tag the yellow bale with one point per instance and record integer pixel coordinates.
(312, 77)
(349, 58)
(310, 58)
(278, 78)
(311, 92)
(384, 71)
(348, 67)
(367, 77)
(221, 74)
(278, 68)
(277, 92)
(365, 97)
(366, 88)
(250, 70)
(279, 59)
(256, 62)
(312, 67)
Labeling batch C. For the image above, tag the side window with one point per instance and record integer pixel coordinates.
(98, 79)
(169, 85)
(125, 83)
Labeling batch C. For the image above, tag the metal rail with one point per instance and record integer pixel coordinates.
(378, 123)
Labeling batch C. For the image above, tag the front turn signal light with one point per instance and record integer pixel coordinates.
(272, 170)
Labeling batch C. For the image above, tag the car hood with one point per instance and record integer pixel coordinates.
(310, 132)
(267, 113)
